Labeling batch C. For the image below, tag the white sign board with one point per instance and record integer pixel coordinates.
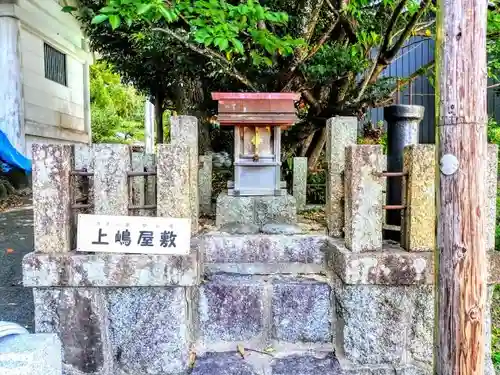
(133, 234)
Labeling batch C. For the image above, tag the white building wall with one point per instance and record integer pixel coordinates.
(53, 112)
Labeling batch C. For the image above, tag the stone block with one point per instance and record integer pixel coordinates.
(418, 226)
(184, 130)
(363, 197)
(231, 309)
(391, 266)
(341, 132)
(275, 209)
(236, 228)
(231, 209)
(52, 165)
(150, 329)
(37, 354)
(277, 228)
(225, 363)
(79, 317)
(110, 270)
(421, 333)
(264, 253)
(258, 210)
(301, 311)
(112, 162)
(205, 184)
(173, 185)
(491, 191)
(421, 369)
(300, 181)
(372, 321)
(306, 365)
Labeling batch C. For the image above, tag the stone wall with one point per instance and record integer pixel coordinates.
(251, 304)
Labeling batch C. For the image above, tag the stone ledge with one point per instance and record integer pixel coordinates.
(110, 270)
(264, 248)
(391, 266)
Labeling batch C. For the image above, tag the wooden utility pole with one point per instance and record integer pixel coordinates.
(461, 192)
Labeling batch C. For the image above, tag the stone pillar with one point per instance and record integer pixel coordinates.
(363, 197)
(341, 132)
(491, 184)
(418, 229)
(300, 181)
(173, 185)
(11, 105)
(150, 166)
(137, 184)
(111, 165)
(184, 129)
(205, 184)
(52, 165)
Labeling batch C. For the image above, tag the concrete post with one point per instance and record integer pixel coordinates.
(111, 165)
(491, 200)
(173, 185)
(52, 165)
(363, 197)
(205, 184)
(300, 181)
(341, 132)
(418, 229)
(184, 129)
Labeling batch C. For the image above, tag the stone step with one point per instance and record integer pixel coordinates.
(232, 363)
(264, 253)
(257, 309)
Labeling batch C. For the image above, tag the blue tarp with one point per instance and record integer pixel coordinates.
(10, 157)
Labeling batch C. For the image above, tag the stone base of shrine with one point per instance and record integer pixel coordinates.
(256, 210)
(297, 304)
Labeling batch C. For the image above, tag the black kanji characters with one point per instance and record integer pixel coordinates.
(100, 236)
(168, 239)
(145, 238)
(123, 237)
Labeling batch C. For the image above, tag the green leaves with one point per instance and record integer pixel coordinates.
(68, 9)
(233, 30)
(100, 18)
(114, 21)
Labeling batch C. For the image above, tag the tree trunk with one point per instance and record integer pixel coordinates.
(312, 161)
(11, 108)
(461, 194)
(306, 144)
(159, 118)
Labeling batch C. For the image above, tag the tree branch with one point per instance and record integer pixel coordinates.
(406, 33)
(403, 83)
(214, 56)
(494, 85)
(388, 33)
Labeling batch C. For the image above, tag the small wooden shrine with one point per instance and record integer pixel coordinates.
(258, 119)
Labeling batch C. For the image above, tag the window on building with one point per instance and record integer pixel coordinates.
(55, 65)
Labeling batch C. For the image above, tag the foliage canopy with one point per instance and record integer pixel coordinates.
(332, 52)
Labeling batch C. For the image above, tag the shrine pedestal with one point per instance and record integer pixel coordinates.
(258, 210)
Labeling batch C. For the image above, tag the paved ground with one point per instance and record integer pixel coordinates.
(16, 240)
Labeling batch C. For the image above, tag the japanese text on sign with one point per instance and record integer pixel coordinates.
(133, 234)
